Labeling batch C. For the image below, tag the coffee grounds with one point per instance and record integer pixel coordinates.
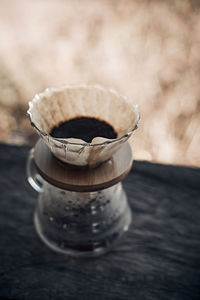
(84, 128)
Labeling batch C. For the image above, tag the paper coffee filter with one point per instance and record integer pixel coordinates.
(57, 105)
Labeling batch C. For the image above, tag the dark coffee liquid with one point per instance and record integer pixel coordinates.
(84, 128)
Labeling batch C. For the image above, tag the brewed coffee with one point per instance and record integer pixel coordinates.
(84, 128)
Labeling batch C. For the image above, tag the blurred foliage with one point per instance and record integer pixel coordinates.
(147, 50)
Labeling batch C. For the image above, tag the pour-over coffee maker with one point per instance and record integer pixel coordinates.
(82, 208)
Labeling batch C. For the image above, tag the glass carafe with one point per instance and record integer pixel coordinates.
(78, 223)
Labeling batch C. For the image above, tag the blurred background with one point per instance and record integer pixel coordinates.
(147, 50)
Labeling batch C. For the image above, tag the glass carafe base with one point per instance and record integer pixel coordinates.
(85, 230)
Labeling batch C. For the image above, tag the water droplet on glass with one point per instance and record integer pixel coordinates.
(64, 226)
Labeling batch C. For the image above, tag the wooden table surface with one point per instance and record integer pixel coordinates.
(159, 258)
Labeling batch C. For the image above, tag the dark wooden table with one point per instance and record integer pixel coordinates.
(159, 257)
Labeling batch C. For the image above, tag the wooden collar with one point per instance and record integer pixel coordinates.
(83, 179)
